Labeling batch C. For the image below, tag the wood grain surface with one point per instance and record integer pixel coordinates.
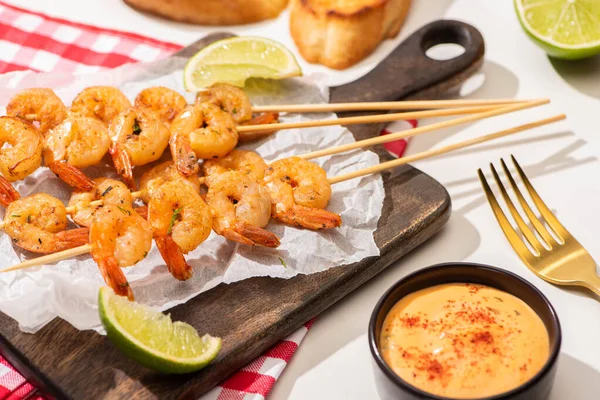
(253, 315)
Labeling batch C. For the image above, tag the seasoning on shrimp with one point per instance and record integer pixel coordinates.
(24, 155)
(236, 103)
(101, 102)
(299, 193)
(138, 138)
(162, 173)
(77, 142)
(164, 102)
(119, 238)
(110, 191)
(201, 131)
(39, 105)
(241, 208)
(38, 223)
(180, 221)
(247, 162)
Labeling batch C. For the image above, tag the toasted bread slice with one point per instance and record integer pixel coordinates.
(212, 12)
(340, 33)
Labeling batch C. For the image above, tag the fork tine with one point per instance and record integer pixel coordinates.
(539, 227)
(513, 238)
(556, 226)
(529, 236)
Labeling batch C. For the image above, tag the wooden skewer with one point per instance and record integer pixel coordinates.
(381, 106)
(340, 178)
(50, 258)
(367, 119)
(446, 149)
(422, 129)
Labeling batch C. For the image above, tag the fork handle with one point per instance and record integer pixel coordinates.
(592, 283)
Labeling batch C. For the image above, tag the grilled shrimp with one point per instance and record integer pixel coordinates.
(165, 102)
(299, 193)
(180, 221)
(230, 98)
(40, 105)
(100, 102)
(247, 162)
(110, 191)
(236, 103)
(138, 138)
(241, 208)
(119, 238)
(24, 155)
(78, 142)
(201, 131)
(165, 172)
(38, 223)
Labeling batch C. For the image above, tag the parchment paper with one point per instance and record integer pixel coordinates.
(68, 289)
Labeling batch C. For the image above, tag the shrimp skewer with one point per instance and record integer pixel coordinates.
(300, 191)
(180, 221)
(241, 208)
(247, 162)
(38, 223)
(39, 105)
(236, 103)
(164, 102)
(201, 131)
(21, 158)
(110, 191)
(101, 102)
(119, 238)
(77, 142)
(138, 138)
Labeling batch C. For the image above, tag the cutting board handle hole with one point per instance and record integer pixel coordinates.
(445, 51)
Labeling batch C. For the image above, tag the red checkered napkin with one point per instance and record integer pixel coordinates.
(34, 41)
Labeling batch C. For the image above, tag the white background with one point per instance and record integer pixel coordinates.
(334, 361)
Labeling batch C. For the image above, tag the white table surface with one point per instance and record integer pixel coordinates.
(334, 362)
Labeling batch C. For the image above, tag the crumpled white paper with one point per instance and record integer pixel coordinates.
(68, 289)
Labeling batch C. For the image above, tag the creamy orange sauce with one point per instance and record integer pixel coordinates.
(464, 341)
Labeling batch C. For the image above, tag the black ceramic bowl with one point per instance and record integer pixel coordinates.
(391, 386)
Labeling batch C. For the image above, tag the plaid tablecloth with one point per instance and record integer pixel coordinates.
(34, 41)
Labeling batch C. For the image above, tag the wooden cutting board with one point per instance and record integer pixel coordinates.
(253, 315)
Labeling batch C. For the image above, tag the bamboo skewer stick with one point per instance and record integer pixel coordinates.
(442, 150)
(340, 178)
(50, 258)
(381, 106)
(422, 129)
(367, 119)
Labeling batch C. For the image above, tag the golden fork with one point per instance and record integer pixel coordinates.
(557, 258)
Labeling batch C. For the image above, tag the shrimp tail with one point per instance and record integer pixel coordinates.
(309, 218)
(114, 277)
(71, 238)
(184, 157)
(173, 257)
(259, 119)
(258, 236)
(8, 193)
(122, 162)
(72, 176)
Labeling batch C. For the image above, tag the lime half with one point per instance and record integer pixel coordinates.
(568, 29)
(236, 59)
(151, 338)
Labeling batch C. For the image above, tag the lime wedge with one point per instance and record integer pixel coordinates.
(236, 59)
(568, 29)
(151, 338)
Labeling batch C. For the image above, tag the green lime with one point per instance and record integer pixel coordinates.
(236, 59)
(151, 338)
(568, 29)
